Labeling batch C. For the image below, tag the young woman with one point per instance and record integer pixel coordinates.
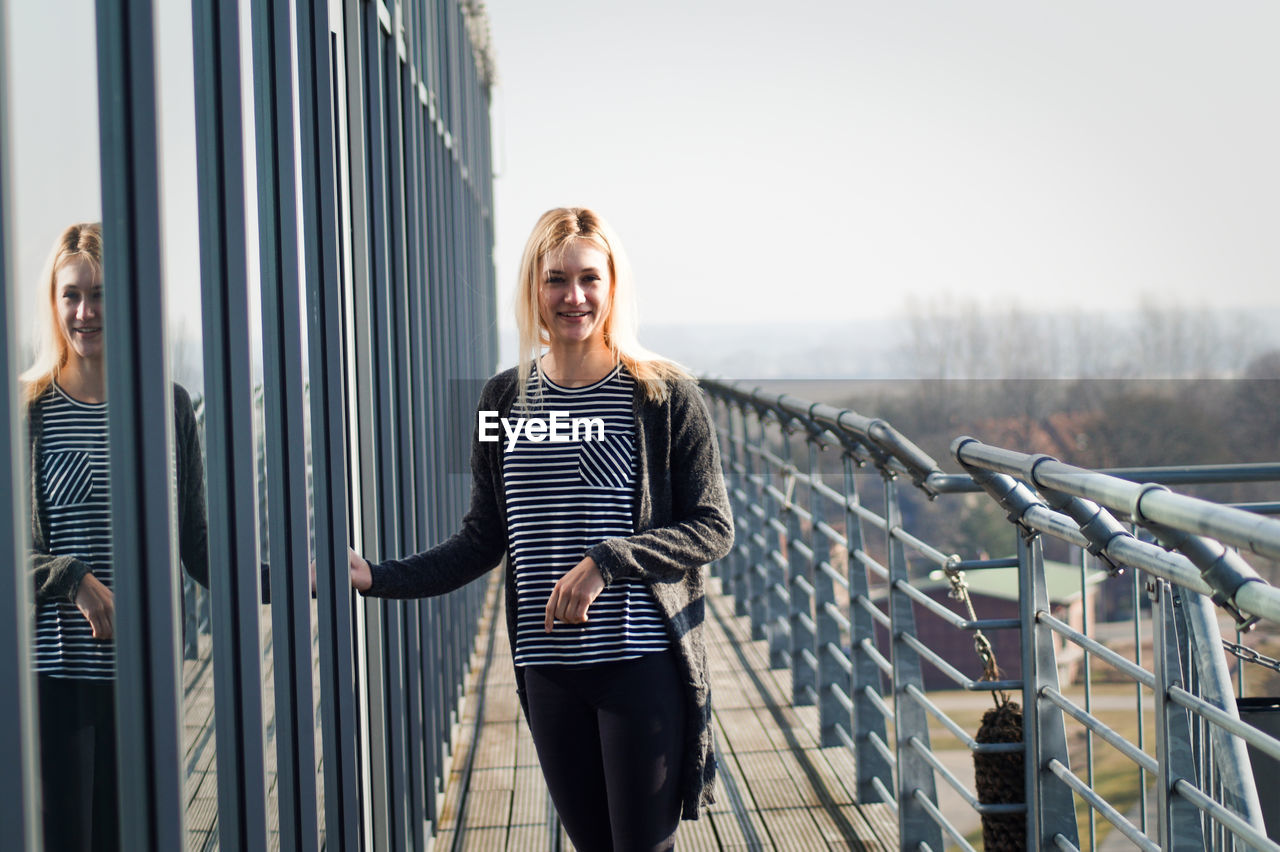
(605, 535)
(71, 562)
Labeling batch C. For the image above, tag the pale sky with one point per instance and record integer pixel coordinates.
(826, 160)
(769, 162)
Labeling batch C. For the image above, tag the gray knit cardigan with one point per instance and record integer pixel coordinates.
(682, 520)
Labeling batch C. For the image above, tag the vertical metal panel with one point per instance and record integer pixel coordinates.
(448, 623)
(456, 56)
(432, 764)
(425, 393)
(445, 698)
(360, 392)
(286, 460)
(735, 418)
(413, 528)
(459, 331)
(777, 569)
(1136, 619)
(417, 536)
(915, 775)
(868, 762)
(413, 793)
(1179, 820)
(359, 19)
(19, 725)
(830, 712)
(800, 626)
(727, 569)
(403, 376)
(393, 379)
(451, 331)
(760, 576)
(339, 728)
(1050, 806)
(140, 433)
(233, 553)
(442, 60)
(439, 663)
(377, 52)
(486, 140)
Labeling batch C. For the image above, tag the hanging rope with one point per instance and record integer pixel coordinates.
(998, 777)
(981, 644)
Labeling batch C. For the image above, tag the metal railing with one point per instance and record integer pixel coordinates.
(852, 599)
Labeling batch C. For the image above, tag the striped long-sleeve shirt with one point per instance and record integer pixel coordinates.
(73, 478)
(564, 497)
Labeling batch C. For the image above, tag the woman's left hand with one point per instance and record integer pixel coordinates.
(574, 593)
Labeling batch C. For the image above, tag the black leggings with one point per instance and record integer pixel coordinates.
(610, 738)
(78, 765)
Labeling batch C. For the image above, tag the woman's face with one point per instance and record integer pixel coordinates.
(77, 293)
(573, 296)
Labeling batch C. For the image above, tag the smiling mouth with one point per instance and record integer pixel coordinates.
(574, 314)
(88, 330)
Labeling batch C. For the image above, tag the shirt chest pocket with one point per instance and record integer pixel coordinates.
(68, 478)
(606, 463)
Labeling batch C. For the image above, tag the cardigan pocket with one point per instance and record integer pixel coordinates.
(67, 478)
(607, 462)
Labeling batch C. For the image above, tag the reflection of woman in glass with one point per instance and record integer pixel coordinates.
(605, 538)
(71, 561)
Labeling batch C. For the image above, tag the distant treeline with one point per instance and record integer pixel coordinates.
(1093, 423)
(958, 339)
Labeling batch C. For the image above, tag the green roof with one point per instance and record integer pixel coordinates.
(1062, 579)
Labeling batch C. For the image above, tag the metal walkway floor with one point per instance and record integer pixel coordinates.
(776, 789)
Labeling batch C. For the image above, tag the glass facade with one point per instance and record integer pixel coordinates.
(346, 304)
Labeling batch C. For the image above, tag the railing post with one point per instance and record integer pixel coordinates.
(777, 599)
(1050, 807)
(866, 678)
(720, 417)
(831, 675)
(802, 630)
(1179, 820)
(739, 562)
(915, 775)
(757, 545)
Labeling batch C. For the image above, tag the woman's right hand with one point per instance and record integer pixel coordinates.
(361, 576)
(97, 604)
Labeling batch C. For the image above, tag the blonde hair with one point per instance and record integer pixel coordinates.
(555, 230)
(81, 242)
